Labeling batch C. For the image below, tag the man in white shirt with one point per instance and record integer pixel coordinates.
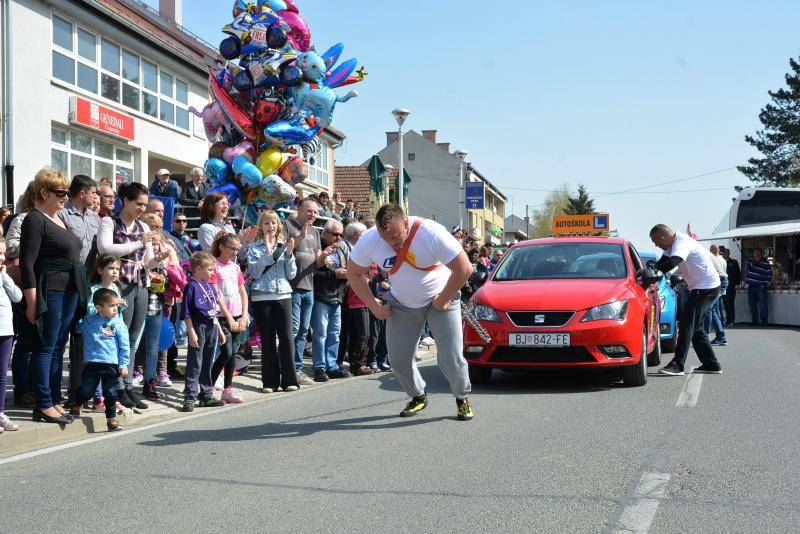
(427, 268)
(715, 316)
(700, 274)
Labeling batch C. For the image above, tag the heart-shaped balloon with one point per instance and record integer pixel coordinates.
(274, 191)
(269, 160)
(245, 148)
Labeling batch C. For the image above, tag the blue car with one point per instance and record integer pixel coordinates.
(669, 310)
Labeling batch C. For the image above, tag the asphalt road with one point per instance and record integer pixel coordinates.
(545, 453)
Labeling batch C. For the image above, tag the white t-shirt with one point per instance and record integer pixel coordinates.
(721, 265)
(412, 287)
(697, 267)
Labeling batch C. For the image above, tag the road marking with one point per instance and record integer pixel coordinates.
(638, 515)
(690, 392)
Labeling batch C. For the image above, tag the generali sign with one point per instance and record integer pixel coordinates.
(92, 115)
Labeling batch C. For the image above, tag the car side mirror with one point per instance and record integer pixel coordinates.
(650, 277)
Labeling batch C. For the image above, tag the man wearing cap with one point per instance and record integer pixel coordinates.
(165, 186)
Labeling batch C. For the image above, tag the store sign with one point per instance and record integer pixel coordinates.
(83, 112)
(474, 195)
(581, 224)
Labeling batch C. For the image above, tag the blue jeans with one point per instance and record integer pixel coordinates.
(327, 323)
(757, 299)
(714, 314)
(48, 360)
(152, 337)
(302, 304)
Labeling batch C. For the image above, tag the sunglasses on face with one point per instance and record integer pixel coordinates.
(334, 234)
(181, 221)
(60, 193)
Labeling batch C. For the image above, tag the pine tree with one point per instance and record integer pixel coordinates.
(580, 205)
(779, 140)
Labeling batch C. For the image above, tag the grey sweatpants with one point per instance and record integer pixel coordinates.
(403, 329)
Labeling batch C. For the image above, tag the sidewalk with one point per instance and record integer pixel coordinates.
(32, 436)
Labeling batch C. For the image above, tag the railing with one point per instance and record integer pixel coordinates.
(141, 5)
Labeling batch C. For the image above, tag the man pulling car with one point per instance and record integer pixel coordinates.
(700, 274)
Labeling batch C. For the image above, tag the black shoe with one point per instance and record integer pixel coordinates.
(708, 370)
(149, 390)
(671, 369)
(339, 373)
(40, 416)
(720, 342)
(137, 402)
(188, 405)
(124, 399)
(320, 375)
(75, 410)
(210, 402)
(415, 405)
(385, 367)
(464, 409)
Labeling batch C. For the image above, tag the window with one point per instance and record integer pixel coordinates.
(318, 165)
(412, 156)
(62, 33)
(100, 66)
(75, 152)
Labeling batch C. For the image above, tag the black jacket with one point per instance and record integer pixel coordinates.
(734, 273)
(190, 197)
(328, 288)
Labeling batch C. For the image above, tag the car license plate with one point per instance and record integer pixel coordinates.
(538, 340)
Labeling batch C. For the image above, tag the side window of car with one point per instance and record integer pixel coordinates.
(636, 260)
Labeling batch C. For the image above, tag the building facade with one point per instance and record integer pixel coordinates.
(106, 88)
(435, 190)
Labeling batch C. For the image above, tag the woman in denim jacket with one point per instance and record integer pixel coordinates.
(271, 263)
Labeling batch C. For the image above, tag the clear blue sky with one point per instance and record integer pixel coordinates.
(615, 94)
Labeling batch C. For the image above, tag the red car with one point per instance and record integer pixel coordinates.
(567, 302)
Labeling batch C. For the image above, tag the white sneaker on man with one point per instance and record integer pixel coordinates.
(427, 341)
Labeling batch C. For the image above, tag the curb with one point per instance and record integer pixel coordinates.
(33, 436)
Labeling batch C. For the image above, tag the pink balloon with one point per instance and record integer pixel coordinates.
(300, 33)
(291, 6)
(245, 148)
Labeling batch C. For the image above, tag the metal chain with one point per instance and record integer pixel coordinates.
(468, 312)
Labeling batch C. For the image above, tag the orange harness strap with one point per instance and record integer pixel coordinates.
(403, 254)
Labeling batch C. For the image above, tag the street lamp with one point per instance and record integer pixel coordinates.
(461, 154)
(400, 115)
(386, 180)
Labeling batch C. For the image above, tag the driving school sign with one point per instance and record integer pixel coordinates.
(593, 223)
(91, 115)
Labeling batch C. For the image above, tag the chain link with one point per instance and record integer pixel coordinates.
(468, 312)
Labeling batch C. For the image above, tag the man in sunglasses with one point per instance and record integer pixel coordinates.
(330, 290)
(178, 235)
(108, 199)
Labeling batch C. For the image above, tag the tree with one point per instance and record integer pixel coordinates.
(556, 203)
(779, 140)
(581, 204)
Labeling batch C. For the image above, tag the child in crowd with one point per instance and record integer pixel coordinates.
(229, 283)
(10, 293)
(201, 312)
(173, 296)
(106, 354)
(105, 276)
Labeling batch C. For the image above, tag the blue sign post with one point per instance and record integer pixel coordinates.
(474, 195)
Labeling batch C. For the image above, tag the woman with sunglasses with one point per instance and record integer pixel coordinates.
(52, 279)
(131, 240)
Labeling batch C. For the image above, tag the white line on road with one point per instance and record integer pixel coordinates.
(638, 515)
(690, 392)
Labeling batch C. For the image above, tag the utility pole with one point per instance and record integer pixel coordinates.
(527, 223)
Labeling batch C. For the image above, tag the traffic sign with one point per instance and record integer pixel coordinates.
(592, 223)
(475, 195)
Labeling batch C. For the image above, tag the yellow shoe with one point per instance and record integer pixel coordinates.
(416, 404)
(464, 409)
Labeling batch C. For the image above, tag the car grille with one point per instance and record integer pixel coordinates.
(541, 355)
(551, 318)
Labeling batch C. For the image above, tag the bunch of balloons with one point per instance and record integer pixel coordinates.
(269, 101)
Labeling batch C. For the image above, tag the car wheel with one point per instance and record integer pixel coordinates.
(654, 358)
(668, 345)
(636, 375)
(480, 375)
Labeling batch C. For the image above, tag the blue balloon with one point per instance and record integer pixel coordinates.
(217, 171)
(274, 5)
(229, 190)
(291, 133)
(251, 176)
(167, 336)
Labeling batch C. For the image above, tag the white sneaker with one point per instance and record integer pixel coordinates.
(138, 378)
(163, 380)
(427, 341)
(418, 357)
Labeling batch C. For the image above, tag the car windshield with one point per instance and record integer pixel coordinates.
(563, 260)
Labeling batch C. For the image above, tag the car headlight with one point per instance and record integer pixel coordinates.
(613, 311)
(485, 313)
(663, 301)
